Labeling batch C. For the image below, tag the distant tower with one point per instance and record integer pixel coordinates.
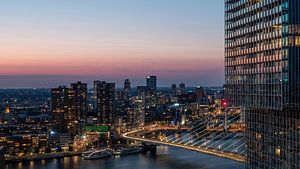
(151, 83)
(181, 88)
(200, 92)
(80, 90)
(126, 92)
(127, 86)
(174, 89)
(105, 93)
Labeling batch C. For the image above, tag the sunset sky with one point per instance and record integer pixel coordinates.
(44, 43)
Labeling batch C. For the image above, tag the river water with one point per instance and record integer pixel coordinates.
(165, 158)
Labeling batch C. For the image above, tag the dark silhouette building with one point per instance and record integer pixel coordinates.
(174, 89)
(127, 86)
(127, 92)
(181, 88)
(151, 82)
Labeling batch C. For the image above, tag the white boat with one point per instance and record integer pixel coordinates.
(97, 154)
(88, 152)
(125, 151)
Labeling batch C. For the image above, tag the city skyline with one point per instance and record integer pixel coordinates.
(45, 44)
(92, 84)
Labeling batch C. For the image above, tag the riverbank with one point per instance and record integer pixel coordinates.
(13, 159)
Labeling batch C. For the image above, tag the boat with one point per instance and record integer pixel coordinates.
(98, 154)
(129, 150)
(88, 152)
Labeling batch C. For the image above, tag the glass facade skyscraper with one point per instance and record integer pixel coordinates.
(262, 74)
(151, 83)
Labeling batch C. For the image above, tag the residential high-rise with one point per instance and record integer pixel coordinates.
(80, 90)
(63, 109)
(151, 83)
(262, 67)
(139, 108)
(105, 93)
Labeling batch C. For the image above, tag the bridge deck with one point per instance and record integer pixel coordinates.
(210, 151)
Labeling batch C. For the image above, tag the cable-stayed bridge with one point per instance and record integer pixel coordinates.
(225, 138)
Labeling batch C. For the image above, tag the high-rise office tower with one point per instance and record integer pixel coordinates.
(63, 109)
(80, 90)
(105, 93)
(200, 92)
(174, 89)
(127, 90)
(181, 88)
(262, 65)
(151, 83)
(127, 86)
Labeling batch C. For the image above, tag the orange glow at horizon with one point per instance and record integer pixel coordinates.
(87, 60)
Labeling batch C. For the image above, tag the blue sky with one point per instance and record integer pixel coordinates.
(177, 40)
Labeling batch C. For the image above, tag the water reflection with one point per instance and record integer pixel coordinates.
(165, 158)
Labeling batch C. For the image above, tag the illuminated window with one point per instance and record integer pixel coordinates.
(297, 41)
(277, 151)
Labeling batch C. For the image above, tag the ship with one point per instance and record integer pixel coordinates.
(129, 150)
(98, 154)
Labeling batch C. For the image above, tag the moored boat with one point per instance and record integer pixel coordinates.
(98, 154)
(129, 150)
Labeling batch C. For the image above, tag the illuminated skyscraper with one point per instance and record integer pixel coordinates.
(105, 93)
(80, 90)
(139, 108)
(262, 66)
(63, 109)
(68, 107)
